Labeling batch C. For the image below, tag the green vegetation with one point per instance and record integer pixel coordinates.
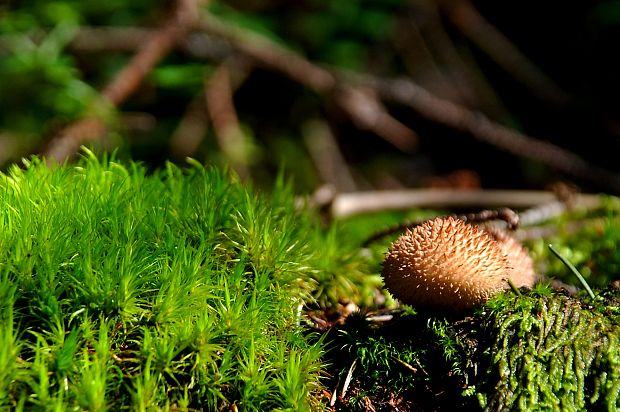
(554, 353)
(175, 290)
(592, 249)
(140, 287)
(539, 351)
(418, 361)
(184, 289)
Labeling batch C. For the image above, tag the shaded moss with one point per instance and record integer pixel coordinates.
(539, 351)
(417, 361)
(552, 353)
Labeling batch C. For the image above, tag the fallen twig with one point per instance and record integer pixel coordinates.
(347, 381)
(219, 90)
(191, 129)
(482, 128)
(357, 95)
(327, 157)
(467, 86)
(408, 93)
(472, 24)
(349, 204)
(360, 103)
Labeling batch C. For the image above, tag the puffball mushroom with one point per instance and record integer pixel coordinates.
(447, 263)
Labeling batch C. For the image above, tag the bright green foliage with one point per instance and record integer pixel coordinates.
(592, 249)
(174, 290)
(553, 353)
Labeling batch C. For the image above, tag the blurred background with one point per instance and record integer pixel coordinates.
(358, 94)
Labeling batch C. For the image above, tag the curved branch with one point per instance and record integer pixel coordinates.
(408, 93)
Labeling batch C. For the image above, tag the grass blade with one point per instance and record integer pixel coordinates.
(574, 270)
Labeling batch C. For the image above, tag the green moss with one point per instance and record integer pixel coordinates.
(539, 351)
(417, 361)
(182, 289)
(591, 248)
(175, 290)
(553, 353)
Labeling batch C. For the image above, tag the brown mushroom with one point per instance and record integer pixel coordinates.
(447, 263)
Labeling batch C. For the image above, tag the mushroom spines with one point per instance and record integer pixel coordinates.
(445, 262)
(522, 271)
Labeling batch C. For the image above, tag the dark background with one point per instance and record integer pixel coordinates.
(48, 83)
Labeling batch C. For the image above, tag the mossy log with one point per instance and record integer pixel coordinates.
(541, 351)
(553, 353)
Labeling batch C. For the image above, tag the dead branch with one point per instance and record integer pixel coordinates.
(327, 157)
(542, 232)
(482, 128)
(270, 54)
(191, 129)
(359, 103)
(324, 81)
(407, 92)
(219, 91)
(483, 34)
(350, 204)
(110, 39)
(424, 25)
(154, 49)
(368, 113)
(460, 71)
(127, 80)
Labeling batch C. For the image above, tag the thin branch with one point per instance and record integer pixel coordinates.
(127, 80)
(482, 128)
(503, 218)
(543, 232)
(155, 48)
(368, 113)
(327, 157)
(270, 54)
(410, 94)
(219, 90)
(419, 61)
(324, 81)
(350, 204)
(472, 24)
(110, 39)
(461, 71)
(68, 141)
(359, 103)
(129, 39)
(191, 129)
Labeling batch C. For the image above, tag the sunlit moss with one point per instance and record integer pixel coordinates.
(177, 289)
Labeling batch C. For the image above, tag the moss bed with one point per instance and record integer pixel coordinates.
(184, 289)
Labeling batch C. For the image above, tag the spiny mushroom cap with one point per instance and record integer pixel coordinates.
(521, 264)
(445, 262)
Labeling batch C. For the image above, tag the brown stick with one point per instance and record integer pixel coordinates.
(68, 141)
(219, 90)
(350, 204)
(482, 128)
(472, 24)
(410, 94)
(327, 157)
(191, 129)
(404, 91)
(359, 103)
